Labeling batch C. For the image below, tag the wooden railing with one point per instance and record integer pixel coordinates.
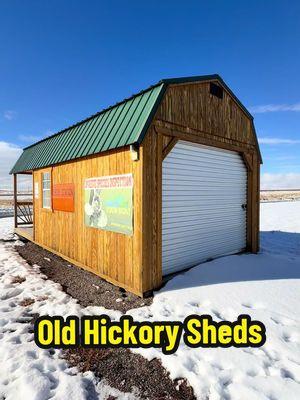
(23, 213)
(23, 209)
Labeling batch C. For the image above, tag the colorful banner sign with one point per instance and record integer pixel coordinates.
(63, 197)
(108, 203)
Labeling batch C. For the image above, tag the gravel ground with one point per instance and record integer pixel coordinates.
(130, 372)
(87, 288)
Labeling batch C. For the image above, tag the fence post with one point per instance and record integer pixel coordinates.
(15, 200)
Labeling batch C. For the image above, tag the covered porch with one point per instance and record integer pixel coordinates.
(23, 208)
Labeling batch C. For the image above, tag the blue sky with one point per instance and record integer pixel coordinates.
(64, 60)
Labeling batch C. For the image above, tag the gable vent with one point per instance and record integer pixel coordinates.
(216, 90)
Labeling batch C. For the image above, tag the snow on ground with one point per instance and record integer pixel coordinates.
(27, 372)
(266, 286)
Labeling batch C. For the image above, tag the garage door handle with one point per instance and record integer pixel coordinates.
(244, 206)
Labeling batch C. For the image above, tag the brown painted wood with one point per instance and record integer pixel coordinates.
(169, 147)
(197, 136)
(194, 107)
(151, 260)
(247, 160)
(158, 269)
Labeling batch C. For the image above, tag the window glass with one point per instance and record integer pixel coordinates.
(46, 186)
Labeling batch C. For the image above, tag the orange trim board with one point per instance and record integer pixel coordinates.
(63, 197)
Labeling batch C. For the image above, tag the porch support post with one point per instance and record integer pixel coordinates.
(15, 200)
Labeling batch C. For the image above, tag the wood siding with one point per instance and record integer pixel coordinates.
(114, 256)
(192, 106)
(189, 112)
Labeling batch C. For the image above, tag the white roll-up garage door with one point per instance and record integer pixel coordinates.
(204, 197)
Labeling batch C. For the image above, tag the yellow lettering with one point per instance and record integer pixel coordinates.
(91, 332)
(193, 326)
(240, 332)
(129, 336)
(209, 332)
(113, 339)
(68, 334)
(45, 332)
(172, 335)
(146, 335)
(225, 334)
(255, 336)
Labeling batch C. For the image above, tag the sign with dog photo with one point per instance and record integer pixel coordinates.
(108, 203)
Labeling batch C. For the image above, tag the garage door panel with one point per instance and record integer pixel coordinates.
(174, 231)
(210, 245)
(190, 258)
(174, 240)
(207, 152)
(211, 173)
(181, 160)
(202, 216)
(195, 204)
(206, 181)
(183, 220)
(214, 161)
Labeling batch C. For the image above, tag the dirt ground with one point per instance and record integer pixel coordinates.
(87, 288)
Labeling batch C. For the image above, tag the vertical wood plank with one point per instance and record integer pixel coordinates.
(109, 254)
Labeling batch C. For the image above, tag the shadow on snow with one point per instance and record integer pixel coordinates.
(279, 258)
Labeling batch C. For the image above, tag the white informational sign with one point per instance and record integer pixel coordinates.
(108, 203)
(36, 190)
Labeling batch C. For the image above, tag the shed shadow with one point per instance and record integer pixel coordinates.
(279, 258)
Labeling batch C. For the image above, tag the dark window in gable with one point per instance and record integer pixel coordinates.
(216, 90)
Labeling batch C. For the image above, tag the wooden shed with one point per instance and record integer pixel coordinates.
(155, 184)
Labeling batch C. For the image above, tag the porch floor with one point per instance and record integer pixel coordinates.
(26, 232)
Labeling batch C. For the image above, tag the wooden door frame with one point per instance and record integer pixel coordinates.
(252, 164)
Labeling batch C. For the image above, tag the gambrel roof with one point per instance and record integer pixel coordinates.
(122, 124)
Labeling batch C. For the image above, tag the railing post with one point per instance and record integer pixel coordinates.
(15, 200)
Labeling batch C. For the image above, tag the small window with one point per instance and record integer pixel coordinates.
(216, 90)
(46, 186)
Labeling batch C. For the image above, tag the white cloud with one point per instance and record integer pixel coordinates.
(9, 114)
(280, 181)
(33, 138)
(29, 138)
(265, 140)
(9, 154)
(49, 132)
(274, 108)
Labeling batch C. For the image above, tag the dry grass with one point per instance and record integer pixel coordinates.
(26, 302)
(280, 195)
(5, 202)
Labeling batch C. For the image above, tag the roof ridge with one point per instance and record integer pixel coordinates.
(117, 127)
(165, 81)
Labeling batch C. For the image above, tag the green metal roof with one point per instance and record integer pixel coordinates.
(123, 124)
(120, 125)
